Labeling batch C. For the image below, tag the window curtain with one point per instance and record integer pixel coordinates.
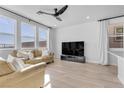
(103, 42)
(51, 40)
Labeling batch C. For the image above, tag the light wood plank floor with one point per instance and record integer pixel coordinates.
(64, 74)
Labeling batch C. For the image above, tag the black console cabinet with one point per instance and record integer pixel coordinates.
(80, 59)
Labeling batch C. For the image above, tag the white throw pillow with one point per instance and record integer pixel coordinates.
(45, 52)
(16, 63)
(22, 54)
(11, 61)
(30, 54)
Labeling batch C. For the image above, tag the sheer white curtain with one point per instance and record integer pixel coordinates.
(103, 42)
(51, 40)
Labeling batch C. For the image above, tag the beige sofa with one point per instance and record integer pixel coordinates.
(38, 57)
(29, 77)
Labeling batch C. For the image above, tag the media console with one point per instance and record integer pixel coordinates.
(80, 59)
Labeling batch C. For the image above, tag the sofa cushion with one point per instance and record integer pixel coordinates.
(21, 64)
(4, 68)
(46, 58)
(40, 59)
(37, 53)
(34, 60)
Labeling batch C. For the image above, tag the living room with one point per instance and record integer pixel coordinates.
(61, 46)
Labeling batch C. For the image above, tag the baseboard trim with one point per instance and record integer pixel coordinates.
(121, 79)
(92, 61)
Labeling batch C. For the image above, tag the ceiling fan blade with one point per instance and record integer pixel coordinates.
(56, 14)
(58, 18)
(61, 10)
(41, 12)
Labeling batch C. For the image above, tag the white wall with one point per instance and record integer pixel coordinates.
(87, 32)
(52, 40)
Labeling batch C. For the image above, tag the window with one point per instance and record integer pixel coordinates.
(43, 38)
(27, 35)
(7, 32)
(116, 35)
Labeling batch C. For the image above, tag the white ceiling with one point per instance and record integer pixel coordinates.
(75, 14)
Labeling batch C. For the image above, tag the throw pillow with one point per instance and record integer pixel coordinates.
(22, 54)
(10, 61)
(37, 53)
(30, 54)
(45, 52)
(16, 63)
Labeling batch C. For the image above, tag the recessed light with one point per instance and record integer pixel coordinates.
(87, 17)
(55, 25)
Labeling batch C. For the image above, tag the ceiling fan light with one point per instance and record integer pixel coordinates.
(87, 17)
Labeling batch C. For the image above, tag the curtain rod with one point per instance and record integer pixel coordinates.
(25, 17)
(111, 18)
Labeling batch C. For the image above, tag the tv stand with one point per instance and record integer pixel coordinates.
(80, 59)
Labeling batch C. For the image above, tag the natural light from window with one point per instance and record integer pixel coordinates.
(27, 35)
(116, 36)
(43, 34)
(7, 32)
(15, 35)
(47, 82)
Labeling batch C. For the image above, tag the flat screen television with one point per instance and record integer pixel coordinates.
(73, 48)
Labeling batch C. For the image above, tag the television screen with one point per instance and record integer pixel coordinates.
(73, 48)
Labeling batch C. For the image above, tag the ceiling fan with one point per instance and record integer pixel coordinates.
(56, 13)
